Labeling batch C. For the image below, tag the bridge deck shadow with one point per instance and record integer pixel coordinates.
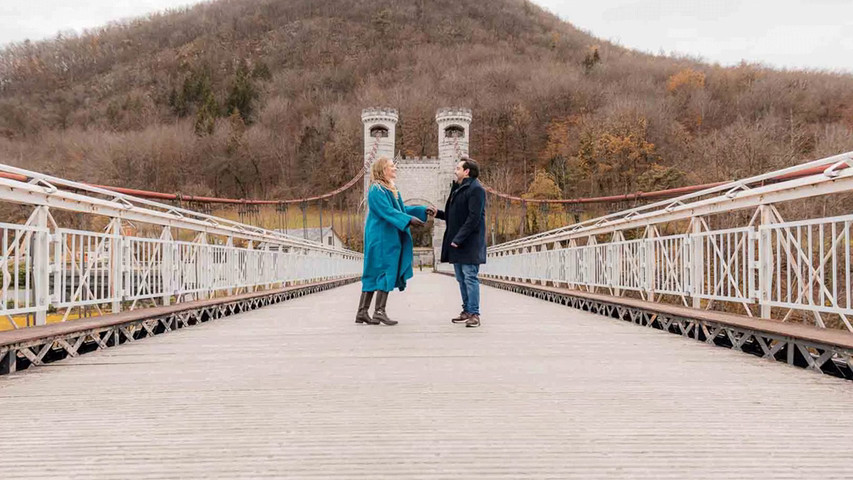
(540, 391)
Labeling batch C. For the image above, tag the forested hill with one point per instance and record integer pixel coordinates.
(262, 98)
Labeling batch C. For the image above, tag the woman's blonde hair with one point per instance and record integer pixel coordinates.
(377, 174)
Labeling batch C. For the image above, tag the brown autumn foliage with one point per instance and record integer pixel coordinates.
(262, 98)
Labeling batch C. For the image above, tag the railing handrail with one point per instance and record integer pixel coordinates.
(646, 213)
(47, 185)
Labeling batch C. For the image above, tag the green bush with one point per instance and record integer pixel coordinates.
(22, 276)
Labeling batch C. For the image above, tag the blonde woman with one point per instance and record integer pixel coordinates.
(387, 242)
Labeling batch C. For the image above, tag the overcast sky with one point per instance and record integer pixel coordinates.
(781, 33)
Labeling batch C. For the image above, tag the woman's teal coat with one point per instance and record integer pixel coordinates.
(388, 241)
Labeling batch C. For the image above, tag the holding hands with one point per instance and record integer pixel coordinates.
(431, 210)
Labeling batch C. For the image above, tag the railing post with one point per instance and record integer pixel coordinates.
(251, 267)
(41, 265)
(696, 263)
(58, 267)
(269, 265)
(230, 265)
(614, 258)
(572, 275)
(280, 264)
(116, 269)
(202, 267)
(167, 273)
(560, 264)
(765, 261)
(651, 233)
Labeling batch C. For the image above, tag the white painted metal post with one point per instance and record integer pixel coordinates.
(571, 276)
(250, 272)
(696, 262)
(559, 264)
(116, 267)
(203, 267)
(589, 264)
(651, 233)
(41, 265)
(614, 258)
(57, 268)
(267, 257)
(765, 261)
(168, 249)
(230, 264)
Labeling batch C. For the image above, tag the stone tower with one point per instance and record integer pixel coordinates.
(454, 132)
(421, 180)
(380, 125)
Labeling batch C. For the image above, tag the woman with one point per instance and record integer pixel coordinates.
(387, 242)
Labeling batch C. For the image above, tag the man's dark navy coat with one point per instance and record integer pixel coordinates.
(465, 214)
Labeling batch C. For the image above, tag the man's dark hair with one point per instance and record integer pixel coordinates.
(472, 166)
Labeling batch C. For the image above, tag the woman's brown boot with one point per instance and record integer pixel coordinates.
(363, 306)
(379, 312)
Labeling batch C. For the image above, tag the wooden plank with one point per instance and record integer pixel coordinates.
(810, 333)
(298, 390)
(13, 337)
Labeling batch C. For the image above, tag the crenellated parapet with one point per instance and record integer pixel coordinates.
(379, 114)
(454, 114)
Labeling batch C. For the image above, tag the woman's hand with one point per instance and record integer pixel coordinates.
(431, 210)
(415, 222)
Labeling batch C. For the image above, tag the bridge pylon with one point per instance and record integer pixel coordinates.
(454, 130)
(380, 125)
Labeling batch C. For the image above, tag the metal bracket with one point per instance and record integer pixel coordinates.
(49, 188)
(124, 202)
(833, 172)
(732, 193)
(673, 205)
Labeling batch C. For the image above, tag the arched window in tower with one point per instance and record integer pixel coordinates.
(378, 131)
(454, 131)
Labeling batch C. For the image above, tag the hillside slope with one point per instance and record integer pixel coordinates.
(262, 98)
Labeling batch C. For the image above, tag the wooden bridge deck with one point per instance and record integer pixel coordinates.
(298, 390)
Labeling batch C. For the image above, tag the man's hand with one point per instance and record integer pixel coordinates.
(415, 221)
(454, 245)
(431, 211)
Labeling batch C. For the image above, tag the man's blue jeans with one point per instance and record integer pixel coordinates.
(469, 286)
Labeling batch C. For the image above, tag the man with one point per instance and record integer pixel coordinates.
(464, 243)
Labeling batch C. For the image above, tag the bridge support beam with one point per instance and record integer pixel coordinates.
(818, 350)
(8, 361)
(58, 341)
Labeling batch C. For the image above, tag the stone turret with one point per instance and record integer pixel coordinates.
(454, 133)
(454, 128)
(380, 125)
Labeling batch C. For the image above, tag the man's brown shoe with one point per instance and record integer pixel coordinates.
(473, 321)
(462, 318)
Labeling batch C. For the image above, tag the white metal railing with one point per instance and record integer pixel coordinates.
(44, 266)
(768, 267)
(17, 252)
(812, 266)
